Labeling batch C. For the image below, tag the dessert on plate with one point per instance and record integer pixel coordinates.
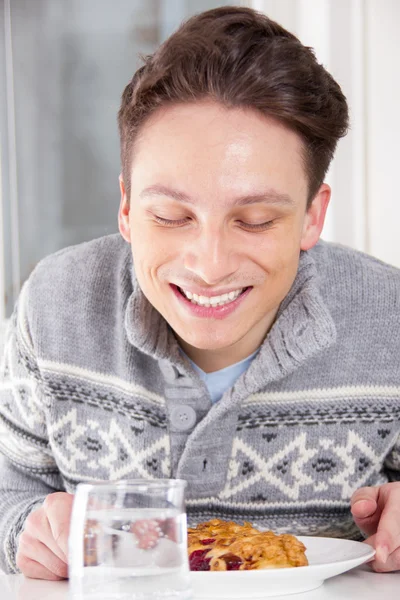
(218, 545)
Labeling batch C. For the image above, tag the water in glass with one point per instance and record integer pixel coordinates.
(128, 552)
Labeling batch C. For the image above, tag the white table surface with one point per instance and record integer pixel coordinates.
(359, 583)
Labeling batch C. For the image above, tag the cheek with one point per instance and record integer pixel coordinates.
(151, 251)
(279, 251)
(144, 241)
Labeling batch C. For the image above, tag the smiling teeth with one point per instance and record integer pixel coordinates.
(214, 300)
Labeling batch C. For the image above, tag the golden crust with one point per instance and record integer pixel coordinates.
(242, 547)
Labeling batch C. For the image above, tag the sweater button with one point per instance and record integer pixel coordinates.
(183, 417)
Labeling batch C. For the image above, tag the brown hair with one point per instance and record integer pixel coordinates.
(240, 58)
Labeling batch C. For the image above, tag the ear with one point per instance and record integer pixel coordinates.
(315, 217)
(123, 213)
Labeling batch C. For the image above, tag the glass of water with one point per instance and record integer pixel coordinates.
(128, 540)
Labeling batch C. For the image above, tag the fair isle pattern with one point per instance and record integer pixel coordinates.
(73, 444)
(28, 453)
(76, 446)
(104, 453)
(22, 416)
(340, 405)
(101, 381)
(289, 470)
(22, 388)
(64, 388)
(86, 450)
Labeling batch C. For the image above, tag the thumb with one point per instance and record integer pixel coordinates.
(365, 510)
(59, 508)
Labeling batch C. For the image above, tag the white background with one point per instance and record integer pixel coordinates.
(358, 41)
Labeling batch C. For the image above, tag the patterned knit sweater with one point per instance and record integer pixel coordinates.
(92, 382)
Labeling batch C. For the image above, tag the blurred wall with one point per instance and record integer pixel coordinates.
(383, 128)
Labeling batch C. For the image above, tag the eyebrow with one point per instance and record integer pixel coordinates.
(270, 196)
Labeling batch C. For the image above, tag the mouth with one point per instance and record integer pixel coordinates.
(211, 306)
(213, 301)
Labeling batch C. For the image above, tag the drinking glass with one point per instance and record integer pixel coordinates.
(128, 540)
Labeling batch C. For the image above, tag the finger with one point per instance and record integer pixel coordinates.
(365, 509)
(33, 569)
(382, 553)
(34, 550)
(388, 533)
(392, 563)
(365, 493)
(371, 542)
(368, 524)
(58, 508)
(147, 533)
(364, 502)
(37, 525)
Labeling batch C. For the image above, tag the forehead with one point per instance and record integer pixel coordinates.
(219, 149)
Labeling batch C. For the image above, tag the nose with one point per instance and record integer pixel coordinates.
(211, 256)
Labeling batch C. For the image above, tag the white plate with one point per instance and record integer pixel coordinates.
(327, 557)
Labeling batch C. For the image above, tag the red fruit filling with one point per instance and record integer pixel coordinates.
(232, 561)
(207, 541)
(198, 561)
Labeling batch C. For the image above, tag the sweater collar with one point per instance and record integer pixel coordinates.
(303, 327)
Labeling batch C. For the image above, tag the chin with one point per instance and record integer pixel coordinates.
(206, 341)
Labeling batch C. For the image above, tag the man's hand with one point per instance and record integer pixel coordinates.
(43, 544)
(376, 511)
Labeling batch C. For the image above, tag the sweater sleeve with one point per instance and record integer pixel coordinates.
(28, 471)
(392, 462)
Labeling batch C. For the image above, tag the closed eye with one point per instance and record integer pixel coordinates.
(253, 227)
(171, 222)
(256, 227)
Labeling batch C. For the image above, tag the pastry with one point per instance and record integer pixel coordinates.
(218, 545)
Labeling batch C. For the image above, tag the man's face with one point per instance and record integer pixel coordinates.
(217, 218)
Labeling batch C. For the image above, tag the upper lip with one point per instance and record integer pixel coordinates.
(209, 293)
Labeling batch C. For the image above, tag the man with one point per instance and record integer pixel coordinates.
(223, 344)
